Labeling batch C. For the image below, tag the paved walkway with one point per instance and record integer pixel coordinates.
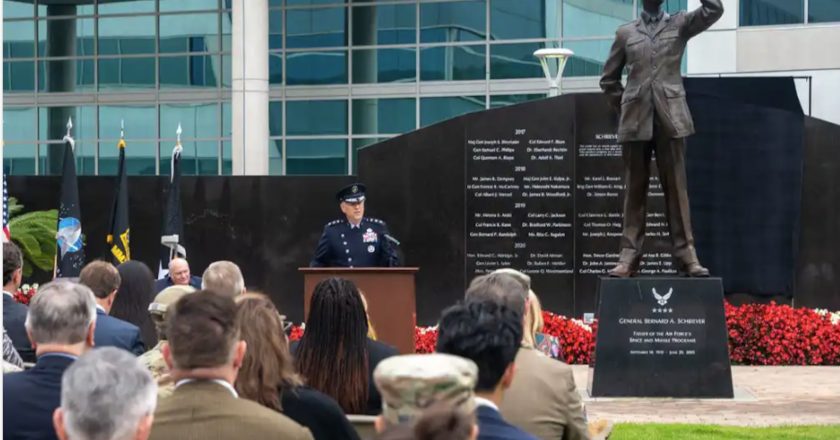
(764, 396)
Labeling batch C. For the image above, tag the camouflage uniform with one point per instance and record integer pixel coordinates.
(153, 360)
(411, 383)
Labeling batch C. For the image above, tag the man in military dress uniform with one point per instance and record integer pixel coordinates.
(356, 240)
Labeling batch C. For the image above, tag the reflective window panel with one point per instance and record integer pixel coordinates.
(126, 35)
(384, 24)
(316, 156)
(583, 18)
(19, 76)
(452, 63)
(516, 60)
(392, 116)
(275, 118)
(60, 32)
(316, 117)
(511, 19)
(126, 73)
(315, 68)
(822, 11)
(452, 21)
(384, 65)
(190, 71)
(197, 120)
(19, 124)
(18, 38)
(322, 27)
(183, 33)
(768, 12)
(19, 159)
(434, 110)
(140, 121)
(140, 158)
(57, 75)
(52, 122)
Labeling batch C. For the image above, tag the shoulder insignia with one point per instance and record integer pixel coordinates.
(333, 223)
(374, 220)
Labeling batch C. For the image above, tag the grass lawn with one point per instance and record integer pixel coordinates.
(627, 431)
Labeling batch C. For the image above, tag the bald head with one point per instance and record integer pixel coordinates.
(179, 272)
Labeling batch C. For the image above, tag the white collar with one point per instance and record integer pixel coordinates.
(221, 382)
(8, 293)
(480, 401)
(98, 307)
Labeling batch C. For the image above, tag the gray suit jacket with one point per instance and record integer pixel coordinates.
(653, 72)
(543, 399)
(207, 411)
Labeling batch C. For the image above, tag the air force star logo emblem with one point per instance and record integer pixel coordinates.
(662, 299)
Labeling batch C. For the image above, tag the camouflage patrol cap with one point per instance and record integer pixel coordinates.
(167, 297)
(411, 383)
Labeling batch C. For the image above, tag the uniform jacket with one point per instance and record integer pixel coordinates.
(654, 81)
(30, 397)
(114, 332)
(343, 245)
(206, 410)
(166, 281)
(543, 398)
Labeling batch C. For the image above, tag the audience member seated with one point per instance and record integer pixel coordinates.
(10, 355)
(489, 334)
(204, 353)
(335, 356)
(439, 422)
(223, 277)
(14, 313)
(543, 398)
(371, 330)
(137, 290)
(179, 275)
(268, 375)
(153, 359)
(412, 384)
(106, 395)
(60, 323)
(103, 279)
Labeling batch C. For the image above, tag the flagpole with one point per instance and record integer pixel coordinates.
(69, 139)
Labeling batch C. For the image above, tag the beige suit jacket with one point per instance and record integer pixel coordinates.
(543, 399)
(205, 410)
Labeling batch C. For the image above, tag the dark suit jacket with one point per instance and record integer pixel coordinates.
(654, 80)
(491, 426)
(165, 282)
(30, 397)
(543, 398)
(206, 410)
(113, 332)
(318, 412)
(377, 352)
(14, 317)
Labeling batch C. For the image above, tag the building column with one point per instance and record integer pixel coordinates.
(60, 77)
(249, 81)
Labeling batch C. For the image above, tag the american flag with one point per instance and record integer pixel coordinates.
(6, 234)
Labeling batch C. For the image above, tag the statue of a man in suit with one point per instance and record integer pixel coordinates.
(655, 118)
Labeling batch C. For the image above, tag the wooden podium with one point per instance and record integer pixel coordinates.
(390, 297)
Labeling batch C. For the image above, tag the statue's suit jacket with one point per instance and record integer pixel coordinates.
(207, 411)
(654, 81)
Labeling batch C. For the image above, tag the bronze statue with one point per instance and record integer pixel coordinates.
(655, 119)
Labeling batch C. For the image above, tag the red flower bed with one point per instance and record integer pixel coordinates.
(762, 334)
(759, 334)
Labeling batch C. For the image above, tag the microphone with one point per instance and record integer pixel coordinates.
(392, 239)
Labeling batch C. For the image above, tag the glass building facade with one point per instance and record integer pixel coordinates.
(342, 74)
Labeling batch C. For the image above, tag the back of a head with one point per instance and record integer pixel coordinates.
(61, 313)
(501, 288)
(101, 278)
(444, 422)
(105, 395)
(137, 289)
(12, 261)
(162, 302)
(201, 330)
(336, 335)
(484, 332)
(267, 365)
(411, 383)
(223, 277)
